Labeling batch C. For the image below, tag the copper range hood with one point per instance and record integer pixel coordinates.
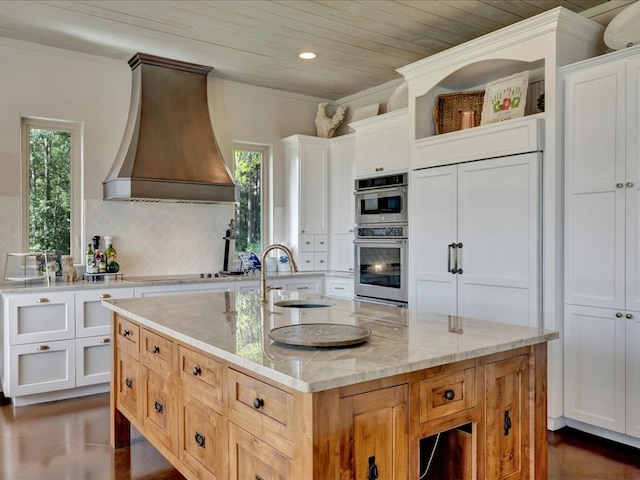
(169, 152)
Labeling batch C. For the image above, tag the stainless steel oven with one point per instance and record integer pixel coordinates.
(381, 263)
(381, 199)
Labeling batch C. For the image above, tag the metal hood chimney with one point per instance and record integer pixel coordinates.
(169, 152)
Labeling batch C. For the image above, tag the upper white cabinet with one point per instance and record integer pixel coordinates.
(382, 144)
(341, 203)
(602, 244)
(602, 184)
(307, 173)
(475, 240)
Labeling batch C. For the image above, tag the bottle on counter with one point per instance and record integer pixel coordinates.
(100, 262)
(111, 255)
(90, 265)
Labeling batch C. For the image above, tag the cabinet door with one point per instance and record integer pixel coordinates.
(499, 230)
(374, 429)
(341, 185)
(41, 317)
(160, 407)
(314, 188)
(92, 318)
(632, 187)
(594, 359)
(128, 384)
(632, 337)
(93, 360)
(42, 367)
(595, 187)
(251, 458)
(183, 289)
(433, 218)
(396, 145)
(202, 439)
(304, 286)
(369, 152)
(341, 253)
(507, 419)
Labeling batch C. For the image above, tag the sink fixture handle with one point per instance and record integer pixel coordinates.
(199, 439)
(197, 370)
(258, 402)
(507, 422)
(449, 394)
(157, 406)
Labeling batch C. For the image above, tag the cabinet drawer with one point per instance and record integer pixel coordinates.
(201, 376)
(307, 243)
(202, 439)
(339, 288)
(128, 385)
(260, 408)
(41, 317)
(251, 458)
(447, 394)
(157, 352)
(41, 367)
(93, 360)
(92, 319)
(127, 336)
(160, 408)
(320, 243)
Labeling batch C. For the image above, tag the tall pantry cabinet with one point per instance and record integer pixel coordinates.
(602, 242)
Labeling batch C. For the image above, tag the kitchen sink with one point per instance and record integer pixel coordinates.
(302, 304)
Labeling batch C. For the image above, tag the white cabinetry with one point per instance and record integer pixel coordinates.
(341, 203)
(56, 341)
(602, 258)
(307, 172)
(338, 287)
(475, 239)
(182, 289)
(382, 144)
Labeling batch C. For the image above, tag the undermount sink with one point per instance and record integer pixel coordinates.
(302, 304)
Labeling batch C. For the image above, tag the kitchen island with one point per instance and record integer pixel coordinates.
(200, 378)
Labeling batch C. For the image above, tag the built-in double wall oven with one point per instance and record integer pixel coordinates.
(381, 239)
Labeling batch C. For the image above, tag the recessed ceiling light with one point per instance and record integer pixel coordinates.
(307, 55)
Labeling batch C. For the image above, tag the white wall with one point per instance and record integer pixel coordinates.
(151, 238)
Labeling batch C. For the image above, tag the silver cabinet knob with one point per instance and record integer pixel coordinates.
(629, 315)
(618, 315)
(619, 185)
(629, 184)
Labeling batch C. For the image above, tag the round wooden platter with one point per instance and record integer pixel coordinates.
(320, 335)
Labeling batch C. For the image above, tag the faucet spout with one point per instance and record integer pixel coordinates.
(263, 270)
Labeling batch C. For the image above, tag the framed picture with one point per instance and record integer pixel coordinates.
(505, 98)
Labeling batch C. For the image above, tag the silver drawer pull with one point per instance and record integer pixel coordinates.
(42, 348)
(338, 288)
(302, 288)
(105, 340)
(42, 300)
(105, 295)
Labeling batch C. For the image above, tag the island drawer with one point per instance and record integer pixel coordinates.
(128, 384)
(260, 408)
(201, 376)
(158, 352)
(447, 394)
(251, 458)
(127, 336)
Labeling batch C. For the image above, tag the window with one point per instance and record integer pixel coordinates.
(250, 161)
(51, 194)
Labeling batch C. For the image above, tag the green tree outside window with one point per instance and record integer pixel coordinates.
(248, 177)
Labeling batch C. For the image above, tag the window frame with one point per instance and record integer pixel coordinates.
(77, 214)
(265, 186)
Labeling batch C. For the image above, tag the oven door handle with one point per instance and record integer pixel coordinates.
(381, 241)
(375, 192)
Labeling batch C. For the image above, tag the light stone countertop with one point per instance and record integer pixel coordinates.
(143, 281)
(234, 326)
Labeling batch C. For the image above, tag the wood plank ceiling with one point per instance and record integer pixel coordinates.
(359, 43)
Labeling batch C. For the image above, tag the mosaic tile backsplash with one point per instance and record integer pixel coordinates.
(161, 238)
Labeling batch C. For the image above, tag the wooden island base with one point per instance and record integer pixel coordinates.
(213, 419)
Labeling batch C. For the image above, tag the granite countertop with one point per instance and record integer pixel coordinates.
(149, 280)
(234, 326)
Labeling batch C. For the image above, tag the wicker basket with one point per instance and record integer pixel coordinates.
(447, 108)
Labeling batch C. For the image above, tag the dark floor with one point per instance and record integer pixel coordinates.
(70, 440)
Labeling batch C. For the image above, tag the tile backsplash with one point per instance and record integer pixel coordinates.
(161, 238)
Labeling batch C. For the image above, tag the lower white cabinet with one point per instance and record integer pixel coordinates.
(339, 287)
(39, 317)
(41, 367)
(602, 378)
(92, 319)
(306, 285)
(341, 254)
(93, 360)
(183, 289)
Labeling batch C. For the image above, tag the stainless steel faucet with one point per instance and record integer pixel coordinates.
(263, 270)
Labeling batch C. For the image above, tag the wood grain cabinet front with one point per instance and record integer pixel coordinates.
(202, 439)
(160, 408)
(127, 336)
(251, 458)
(128, 384)
(447, 394)
(201, 376)
(157, 352)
